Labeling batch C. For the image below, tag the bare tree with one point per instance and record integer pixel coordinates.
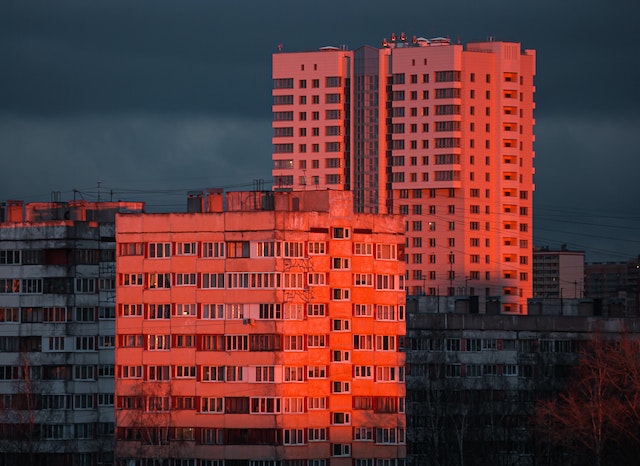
(595, 419)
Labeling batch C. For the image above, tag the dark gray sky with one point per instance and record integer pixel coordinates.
(153, 98)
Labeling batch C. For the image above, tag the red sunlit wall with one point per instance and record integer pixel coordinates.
(273, 330)
(429, 130)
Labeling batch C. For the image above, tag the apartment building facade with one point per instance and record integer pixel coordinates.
(57, 332)
(558, 273)
(429, 129)
(474, 381)
(614, 285)
(265, 333)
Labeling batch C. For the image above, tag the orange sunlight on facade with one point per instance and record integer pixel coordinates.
(426, 129)
(270, 332)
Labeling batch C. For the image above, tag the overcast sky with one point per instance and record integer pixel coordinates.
(153, 98)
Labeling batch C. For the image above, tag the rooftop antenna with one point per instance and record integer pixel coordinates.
(98, 183)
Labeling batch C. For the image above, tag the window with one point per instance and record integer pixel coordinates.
(186, 249)
(388, 374)
(131, 279)
(55, 343)
(363, 372)
(293, 405)
(293, 436)
(293, 280)
(234, 311)
(340, 294)
(332, 81)
(106, 341)
(293, 343)
(316, 372)
(212, 405)
(83, 285)
(85, 314)
(340, 449)
(388, 312)
(210, 249)
(130, 372)
(86, 343)
(184, 310)
(12, 314)
(363, 310)
(385, 343)
(183, 341)
(270, 311)
(185, 372)
(338, 263)
(340, 325)
(159, 250)
(236, 249)
(236, 342)
(386, 251)
(316, 279)
(317, 434)
(264, 405)
(293, 311)
(340, 356)
(213, 373)
(363, 342)
(340, 233)
(83, 372)
(159, 311)
(159, 280)
(131, 341)
(9, 257)
(316, 341)
(265, 373)
(294, 373)
(185, 279)
(234, 374)
(283, 83)
(390, 435)
(316, 310)
(316, 248)
(317, 403)
(386, 282)
(340, 387)
(362, 249)
(158, 342)
(363, 434)
(340, 418)
(363, 279)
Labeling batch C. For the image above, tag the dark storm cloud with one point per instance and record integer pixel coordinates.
(205, 56)
(170, 94)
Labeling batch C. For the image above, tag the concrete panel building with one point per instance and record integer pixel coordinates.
(558, 274)
(261, 328)
(473, 380)
(57, 335)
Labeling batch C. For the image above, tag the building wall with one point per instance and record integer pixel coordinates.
(473, 381)
(440, 134)
(57, 311)
(304, 293)
(615, 284)
(558, 274)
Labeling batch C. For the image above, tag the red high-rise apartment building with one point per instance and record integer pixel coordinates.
(267, 333)
(440, 133)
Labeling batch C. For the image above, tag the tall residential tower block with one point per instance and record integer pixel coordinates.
(270, 332)
(429, 129)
